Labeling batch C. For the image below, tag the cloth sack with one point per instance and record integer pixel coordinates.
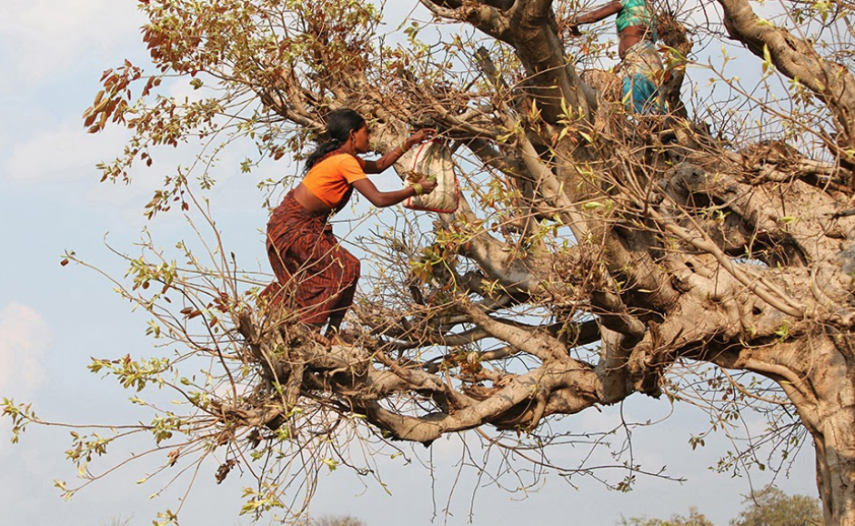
(433, 161)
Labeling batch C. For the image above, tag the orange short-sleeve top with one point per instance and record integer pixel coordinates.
(331, 178)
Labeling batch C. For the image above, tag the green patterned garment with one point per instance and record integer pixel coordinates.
(635, 13)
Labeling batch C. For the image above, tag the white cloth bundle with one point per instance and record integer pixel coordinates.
(433, 161)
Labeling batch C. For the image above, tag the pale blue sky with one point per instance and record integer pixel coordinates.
(52, 319)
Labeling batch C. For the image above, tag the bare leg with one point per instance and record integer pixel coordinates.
(339, 310)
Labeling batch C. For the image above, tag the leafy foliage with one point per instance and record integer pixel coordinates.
(693, 519)
(331, 520)
(767, 507)
(772, 507)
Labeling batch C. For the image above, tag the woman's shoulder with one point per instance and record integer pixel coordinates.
(342, 159)
(337, 167)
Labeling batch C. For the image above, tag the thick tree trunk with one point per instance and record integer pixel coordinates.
(835, 469)
(831, 421)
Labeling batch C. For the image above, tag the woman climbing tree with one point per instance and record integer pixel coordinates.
(314, 272)
(641, 66)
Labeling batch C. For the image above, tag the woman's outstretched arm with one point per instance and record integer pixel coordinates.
(597, 14)
(384, 199)
(375, 167)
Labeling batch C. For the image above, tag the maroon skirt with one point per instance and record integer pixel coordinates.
(316, 276)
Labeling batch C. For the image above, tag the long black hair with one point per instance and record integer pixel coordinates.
(339, 125)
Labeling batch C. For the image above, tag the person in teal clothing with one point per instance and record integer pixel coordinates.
(641, 67)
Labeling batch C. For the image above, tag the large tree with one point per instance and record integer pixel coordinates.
(594, 255)
(765, 507)
(771, 506)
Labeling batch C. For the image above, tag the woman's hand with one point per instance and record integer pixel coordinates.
(427, 185)
(425, 134)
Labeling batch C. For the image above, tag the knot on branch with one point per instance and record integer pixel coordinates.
(648, 361)
(691, 178)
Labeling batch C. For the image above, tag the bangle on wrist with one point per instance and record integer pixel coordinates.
(418, 188)
(403, 147)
